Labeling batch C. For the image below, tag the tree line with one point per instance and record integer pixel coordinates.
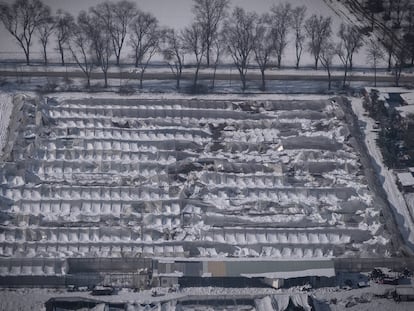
(393, 22)
(98, 36)
(395, 137)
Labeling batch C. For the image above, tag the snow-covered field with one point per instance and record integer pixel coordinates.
(161, 175)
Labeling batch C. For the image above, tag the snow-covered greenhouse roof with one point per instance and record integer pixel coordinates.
(405, 111)
(408, 98)
(406, 179)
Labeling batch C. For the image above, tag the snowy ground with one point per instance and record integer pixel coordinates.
(228, 69)
(160, 80)
(333, 298)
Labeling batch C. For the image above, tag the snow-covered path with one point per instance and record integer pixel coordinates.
(6, 108)
(395, 197)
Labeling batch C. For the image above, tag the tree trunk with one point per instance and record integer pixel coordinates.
(88, 81)
(45, 54)
(375, 75)
(297, 55)
(196, 76)
(26, 53)
(62, 57)
(279, 61)
(208, 56)
(297, 60)
(141, 78)
(316, 63)
(136, 60)
(243, 81)
(214, 76)
(389, 60)
(263, 79)
(106, 78)
(398, 70)
(177, 85)
(345, 75)
(329, 79)
(117, 58)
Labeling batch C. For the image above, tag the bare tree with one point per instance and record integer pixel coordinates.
(374, 7)
(342, 53)
(389, 43)
(351, 38)
(400, 56)
(400, 9)
(409, 19)
(174, 54)
(100, 40)
(104, 52)
(281, 17)
(409, 42)
(239, 35)
(264, 47)
(64, 24)
(45, 30)
(209, 14)
(195, 43)
(409, 31)
(351, 42)
(217, 50)
(80, 46)
(116, 17)
(21, 19)
(388, 8)
(326, 55)
(374, 55)
(298, 19)
(318, 29)
(145, 39)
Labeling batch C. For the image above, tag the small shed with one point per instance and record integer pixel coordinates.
(169, 279)
(278, 273)
(406, 180)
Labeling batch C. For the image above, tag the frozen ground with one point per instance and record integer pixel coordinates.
(159, 80)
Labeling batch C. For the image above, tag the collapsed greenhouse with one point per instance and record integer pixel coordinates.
(131, 177)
